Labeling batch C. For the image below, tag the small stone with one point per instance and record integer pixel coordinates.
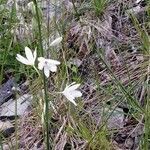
(8, 108)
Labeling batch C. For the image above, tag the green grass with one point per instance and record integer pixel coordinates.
(99, 6)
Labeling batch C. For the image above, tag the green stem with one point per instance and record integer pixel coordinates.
(44, 80)
(36, 71)
(1, 144)
(75, 9)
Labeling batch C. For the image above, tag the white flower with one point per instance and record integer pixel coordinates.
(56, 41)
(30, 5)
(71, 92)
(48, 65)
(30, 57)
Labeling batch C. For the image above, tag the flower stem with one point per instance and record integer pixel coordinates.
(46, 116)
(36, 71)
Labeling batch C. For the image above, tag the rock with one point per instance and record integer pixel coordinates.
(5, 125)
(116, 118)
(6, 90)
(8, 132)
(8, 108)
(6, 128)
(138, 1)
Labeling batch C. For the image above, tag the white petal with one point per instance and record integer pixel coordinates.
(73, 102)
(73, 87)
(70, 98)
(69, 85)
(40, 65)
(76, 93)
(56, 41)
(54, 62)
(29, 54)
(41, 59)
(46, 72)
(53, 68)
(23, 60)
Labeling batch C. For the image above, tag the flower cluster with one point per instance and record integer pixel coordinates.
(50, 65)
